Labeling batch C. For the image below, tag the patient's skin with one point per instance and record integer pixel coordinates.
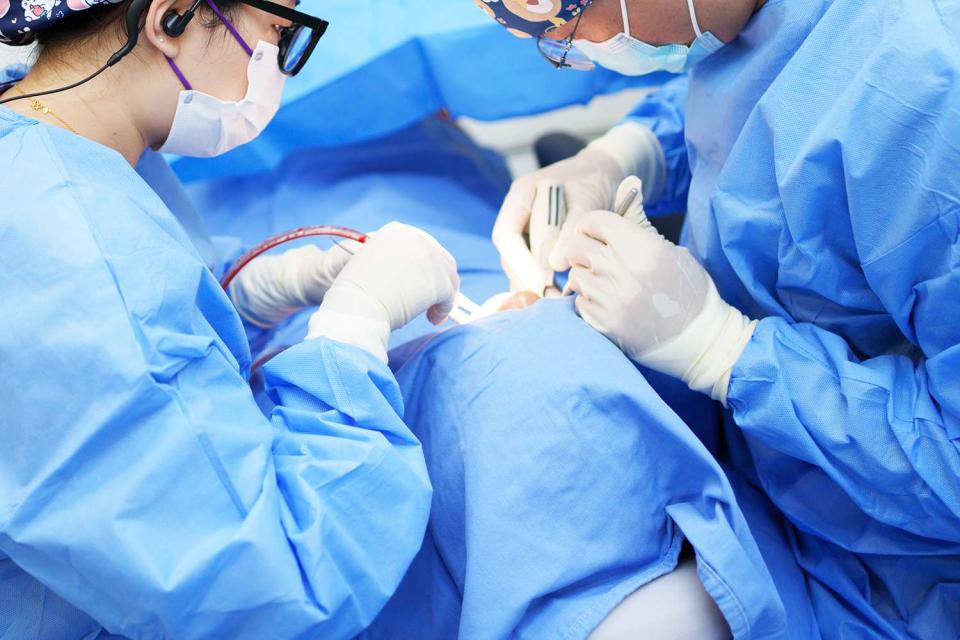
(519, 300)
(505, 302)
(662, 23)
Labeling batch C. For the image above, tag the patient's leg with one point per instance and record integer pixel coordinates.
(561, 484)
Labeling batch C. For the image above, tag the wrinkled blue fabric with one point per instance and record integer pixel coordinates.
(384, 66)
(552, 505)
(408, 177)
(822, 146)
(142, 491)
(164, 182)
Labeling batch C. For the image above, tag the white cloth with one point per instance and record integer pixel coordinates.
(675, 606)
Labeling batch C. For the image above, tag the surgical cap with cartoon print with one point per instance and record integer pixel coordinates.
(531, 18)
(20, 20)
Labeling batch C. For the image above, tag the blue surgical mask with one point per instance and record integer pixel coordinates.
(626, 55)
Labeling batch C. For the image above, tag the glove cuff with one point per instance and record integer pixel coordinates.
(349, 314)
(704, 354)
(369, 335)
(637, 150)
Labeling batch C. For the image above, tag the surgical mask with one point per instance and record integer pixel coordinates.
(626, 55)
(205, 126)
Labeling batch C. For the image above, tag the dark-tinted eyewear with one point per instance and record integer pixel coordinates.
(297, 41)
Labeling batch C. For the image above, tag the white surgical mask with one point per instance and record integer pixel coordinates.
(626, 55)
(205, 126)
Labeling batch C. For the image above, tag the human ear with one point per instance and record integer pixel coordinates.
(160, 12)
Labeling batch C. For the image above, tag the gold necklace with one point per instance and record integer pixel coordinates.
(36, 105)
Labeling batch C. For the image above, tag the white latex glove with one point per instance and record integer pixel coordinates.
(589, 179)
(399, 273)
(652, 298)
(272, 287)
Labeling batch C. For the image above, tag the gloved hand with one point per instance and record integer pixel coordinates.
(652, 298)
(589, 179)
(399, 273)
(273, 287)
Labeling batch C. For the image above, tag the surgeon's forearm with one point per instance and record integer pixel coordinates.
(662, 112)
(228, 525)
(873, 428)
(639, 153)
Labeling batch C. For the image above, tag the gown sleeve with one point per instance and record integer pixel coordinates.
(663, 113)
(855, 441)
(859, 451)
(140, 481)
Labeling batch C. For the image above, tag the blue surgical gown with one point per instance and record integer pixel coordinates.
(142, 491)
(817, 158)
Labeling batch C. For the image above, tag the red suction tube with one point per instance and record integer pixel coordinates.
(283, 238)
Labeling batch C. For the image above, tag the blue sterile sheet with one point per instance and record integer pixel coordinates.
(384, 66)
(553, 504)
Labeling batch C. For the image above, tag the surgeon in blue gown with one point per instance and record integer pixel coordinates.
(814, 147)
(142, 492)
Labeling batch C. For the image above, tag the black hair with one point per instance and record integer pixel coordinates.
(107, 19)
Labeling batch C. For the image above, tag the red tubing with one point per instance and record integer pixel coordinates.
(283, 238)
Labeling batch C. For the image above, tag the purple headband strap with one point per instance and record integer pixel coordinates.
(179, 74)
(232, 29)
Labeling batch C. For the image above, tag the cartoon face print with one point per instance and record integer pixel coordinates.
(535, 10)
(37, 9)
(480, 3)
(485, 5)
(4, 7)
